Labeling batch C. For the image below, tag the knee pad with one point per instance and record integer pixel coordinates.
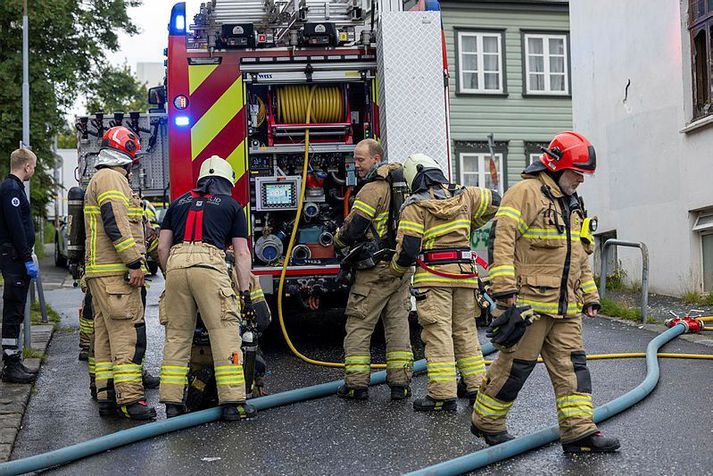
(584, 379)
(519, 372)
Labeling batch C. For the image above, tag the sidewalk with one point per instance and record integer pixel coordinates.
(14, 397)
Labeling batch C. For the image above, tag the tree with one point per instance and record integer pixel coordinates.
(117, 89)
(68, 40)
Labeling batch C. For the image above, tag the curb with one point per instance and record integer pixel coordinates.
(659, 328)
(14, 397)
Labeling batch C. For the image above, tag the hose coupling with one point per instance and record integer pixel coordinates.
(692, 325)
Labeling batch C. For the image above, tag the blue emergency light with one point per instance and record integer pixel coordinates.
(178, 20)
(182, 121)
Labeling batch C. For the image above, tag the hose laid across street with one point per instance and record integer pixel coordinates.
(529, 442)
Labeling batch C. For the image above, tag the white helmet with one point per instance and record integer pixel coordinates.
(112, 158)
(414, 164)
(215, 166)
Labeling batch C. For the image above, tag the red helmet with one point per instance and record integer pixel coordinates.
(569, 150)
(123, 140)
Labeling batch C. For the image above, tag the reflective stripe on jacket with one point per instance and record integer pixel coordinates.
(537, 252)
(441, 223)
(113, 218)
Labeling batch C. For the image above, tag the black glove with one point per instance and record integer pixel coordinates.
(246, 309)
(508, 328)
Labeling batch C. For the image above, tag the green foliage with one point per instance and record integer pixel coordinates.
(117, 89)
(708, 299)
(614, 308)
(34, 354)
(616, 281)
(36, 314)
(691, 297)
(67, 44)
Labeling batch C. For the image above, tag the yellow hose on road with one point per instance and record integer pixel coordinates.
(288, 252)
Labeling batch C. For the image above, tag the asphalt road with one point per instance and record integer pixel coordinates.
(668, 433)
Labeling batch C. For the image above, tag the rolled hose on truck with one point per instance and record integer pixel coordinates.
(149, 430)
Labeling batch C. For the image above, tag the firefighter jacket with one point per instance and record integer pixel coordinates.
(536, 250)
(114, 220)
(443, 217)
(371, 207)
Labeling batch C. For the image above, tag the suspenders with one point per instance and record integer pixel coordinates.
(194, 221)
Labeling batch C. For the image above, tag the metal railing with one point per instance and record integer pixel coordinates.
(644, 271)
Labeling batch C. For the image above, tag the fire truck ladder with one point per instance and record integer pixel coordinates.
(284, 13)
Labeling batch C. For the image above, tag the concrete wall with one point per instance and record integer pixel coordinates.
(631, 97)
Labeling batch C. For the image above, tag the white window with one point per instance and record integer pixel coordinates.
(480, 69)
(546, 64)
(704, 226)
(533, 158)
(475, 170)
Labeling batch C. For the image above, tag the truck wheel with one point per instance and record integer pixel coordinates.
(59, 260)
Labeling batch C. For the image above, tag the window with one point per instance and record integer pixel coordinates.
(704, 227)
(533, 150)
(475, 170)
(700, 28)
(480, 63)
(546, 64)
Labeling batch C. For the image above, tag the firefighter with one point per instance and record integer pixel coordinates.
(86, 318)
(17, 238)
(540, 265)
(376, 293)
(202, 392)
(194, 233)
(114, 274)
(434, 231)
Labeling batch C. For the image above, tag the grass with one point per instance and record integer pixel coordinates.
(34, 354)
(696, 298)
(614, 308)
(36, 314)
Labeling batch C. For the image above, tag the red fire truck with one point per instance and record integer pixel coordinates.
(238, 82)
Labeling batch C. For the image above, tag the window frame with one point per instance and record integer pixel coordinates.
(458, 33)
(704, 24)
(482, 157)
(532, 148)
(546, 35)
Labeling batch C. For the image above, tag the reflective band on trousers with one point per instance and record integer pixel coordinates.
(229, 375)
(488, 407)
(86, 325)
(441, 371)
(471, 365)
(104, 370)
(574, 405)
(127, 373)
(357, 364)
(174, 374)
(399, 359)
(92, 365)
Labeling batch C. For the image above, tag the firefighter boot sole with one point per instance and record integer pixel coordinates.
(400, 392)
(239, 411)
(594, 443)
(349, 393)
(492, 439)
(428, 404)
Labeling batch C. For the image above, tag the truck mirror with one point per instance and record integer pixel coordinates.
(157, 95)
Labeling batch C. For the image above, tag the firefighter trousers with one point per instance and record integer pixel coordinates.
(559, 342)
(447, 318)
(375, 294)
(119, 339)
(206, 290)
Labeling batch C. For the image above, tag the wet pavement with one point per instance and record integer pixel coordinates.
(668, 433)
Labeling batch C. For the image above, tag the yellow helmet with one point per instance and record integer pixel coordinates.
(414, 164)
(215, 166)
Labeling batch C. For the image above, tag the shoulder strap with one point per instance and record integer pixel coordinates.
(194, 221)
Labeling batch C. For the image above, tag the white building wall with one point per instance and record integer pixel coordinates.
(650, 175)
(150, 73)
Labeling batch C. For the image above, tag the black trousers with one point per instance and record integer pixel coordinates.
(14, 296)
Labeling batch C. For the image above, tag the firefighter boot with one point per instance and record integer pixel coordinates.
(175, 409)
(83, 355)
(14, 372)
(138, 411)
(492, 439)
(464, 393)
(400, 392)
(149, 380)
(428, 404)
(107, 409)
(238, 411)
(594, 443)
(353, 393)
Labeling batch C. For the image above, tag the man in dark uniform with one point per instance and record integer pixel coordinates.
(194, 234)
(17, 237)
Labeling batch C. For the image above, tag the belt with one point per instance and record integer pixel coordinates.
(450, 256)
